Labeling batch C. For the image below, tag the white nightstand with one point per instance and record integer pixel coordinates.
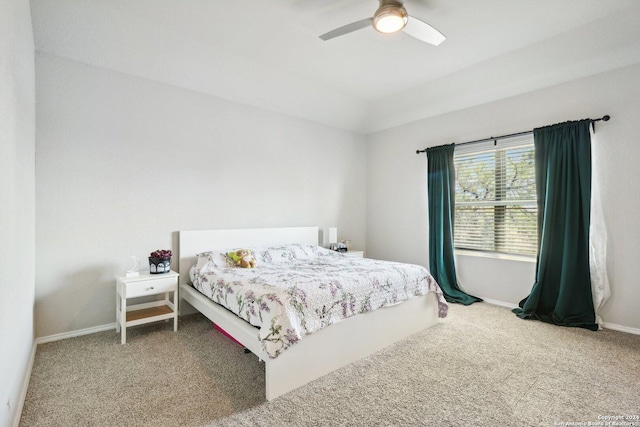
(354, 254)
(141, 286)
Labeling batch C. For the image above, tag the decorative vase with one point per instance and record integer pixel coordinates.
(159, 265)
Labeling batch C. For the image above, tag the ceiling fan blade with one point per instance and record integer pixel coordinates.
(423, 31)
(349, 28)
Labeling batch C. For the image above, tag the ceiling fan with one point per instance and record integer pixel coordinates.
(392, 17)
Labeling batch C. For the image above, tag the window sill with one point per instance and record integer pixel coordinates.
(495, 255)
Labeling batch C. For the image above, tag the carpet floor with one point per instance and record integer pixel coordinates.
(481, 366)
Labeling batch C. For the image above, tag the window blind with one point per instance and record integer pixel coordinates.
(495, 204)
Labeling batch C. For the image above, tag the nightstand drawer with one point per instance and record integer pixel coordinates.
(150, 287)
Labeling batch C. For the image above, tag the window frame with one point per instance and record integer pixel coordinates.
(501, 249)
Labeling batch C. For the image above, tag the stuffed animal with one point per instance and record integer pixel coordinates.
(243, 258)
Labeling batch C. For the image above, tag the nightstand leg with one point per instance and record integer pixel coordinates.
(117, 312)
(123, 319)
(175, 310)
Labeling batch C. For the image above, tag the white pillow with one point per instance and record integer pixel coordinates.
(213, 259)
(285, 253)
(192, 274)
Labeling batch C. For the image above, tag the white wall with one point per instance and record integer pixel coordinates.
(123, 163)
(17, 206)
(397, 226)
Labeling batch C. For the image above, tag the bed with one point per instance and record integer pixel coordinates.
(325, 349)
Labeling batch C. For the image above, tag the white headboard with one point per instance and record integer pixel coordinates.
(195, 242)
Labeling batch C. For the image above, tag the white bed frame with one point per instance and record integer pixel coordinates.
(319, 353)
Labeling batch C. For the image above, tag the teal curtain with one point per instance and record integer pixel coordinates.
(441, 181)
(562, 291)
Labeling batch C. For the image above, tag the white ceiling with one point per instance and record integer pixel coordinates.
(267, 54)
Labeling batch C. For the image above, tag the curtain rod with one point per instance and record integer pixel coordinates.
(604, 118)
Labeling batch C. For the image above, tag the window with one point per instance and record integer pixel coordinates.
(495, 206)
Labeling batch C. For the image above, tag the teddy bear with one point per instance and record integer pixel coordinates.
(243, 258)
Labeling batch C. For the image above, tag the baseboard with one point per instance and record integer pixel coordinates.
(25, 385)
(621, 328)
(79, 332)
(499, 303)
(605, 325)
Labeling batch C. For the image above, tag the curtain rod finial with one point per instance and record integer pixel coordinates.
(606, 118)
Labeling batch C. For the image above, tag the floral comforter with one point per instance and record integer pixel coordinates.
(301, 295)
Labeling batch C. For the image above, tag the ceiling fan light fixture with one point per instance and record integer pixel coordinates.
(390, 18)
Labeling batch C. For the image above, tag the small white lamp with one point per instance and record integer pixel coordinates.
(333, 237)
(133, 271)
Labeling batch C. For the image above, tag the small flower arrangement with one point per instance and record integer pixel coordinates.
(161, 253)
(160, 261)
